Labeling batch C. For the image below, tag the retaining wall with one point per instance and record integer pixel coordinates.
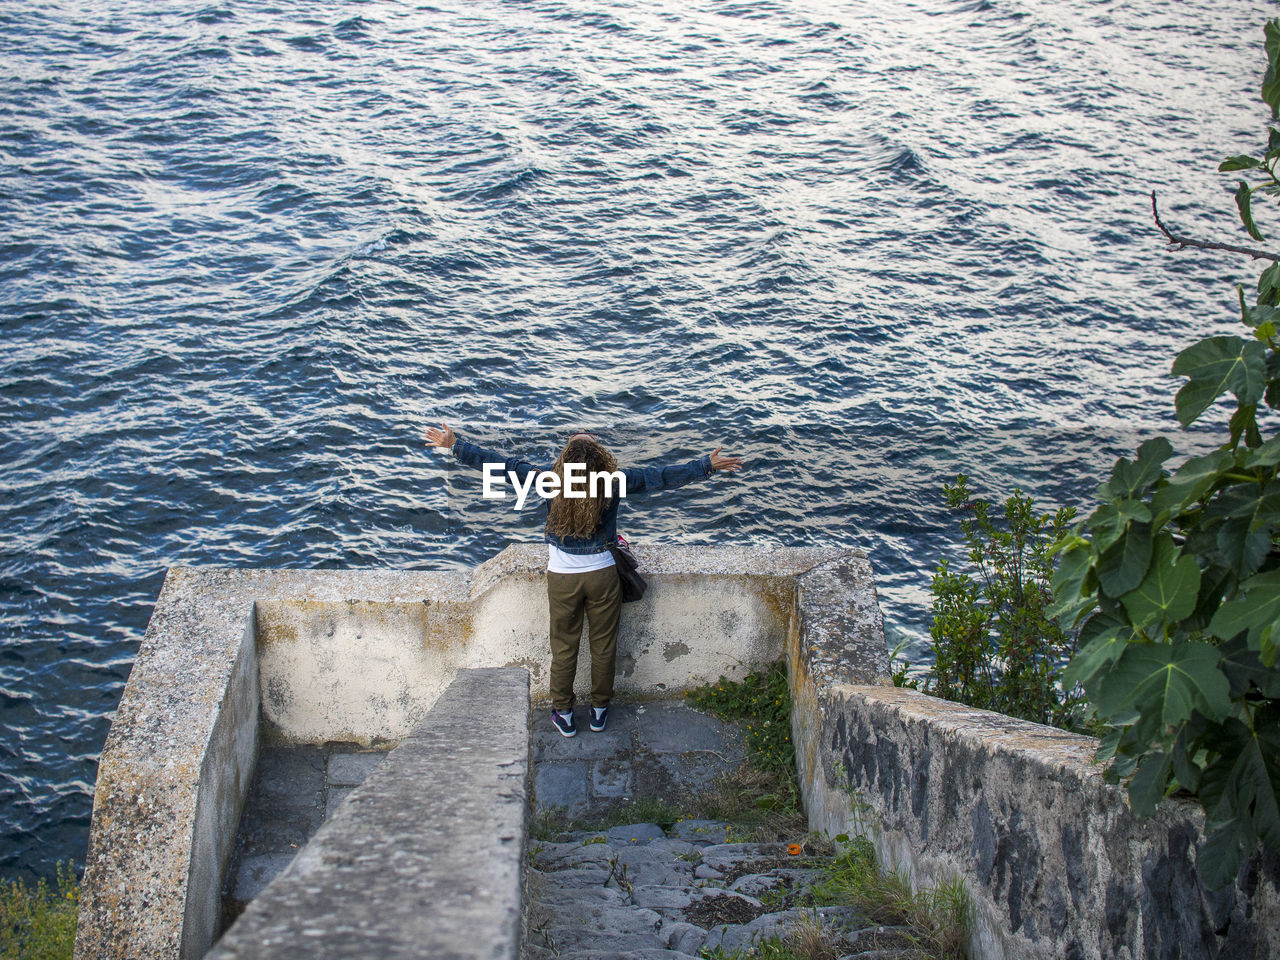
(1055, 863)
(362, 655)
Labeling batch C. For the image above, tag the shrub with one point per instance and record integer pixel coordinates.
(995, 645)
(1174, 580)
(38, 922)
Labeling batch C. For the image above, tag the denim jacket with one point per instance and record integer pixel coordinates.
(639, 480)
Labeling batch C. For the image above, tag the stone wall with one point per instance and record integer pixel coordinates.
(362, 655)
(835, 636)
(1054, 861)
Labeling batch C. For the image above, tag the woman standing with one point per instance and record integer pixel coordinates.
(579, 531)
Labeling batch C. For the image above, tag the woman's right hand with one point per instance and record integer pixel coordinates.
(444, 437)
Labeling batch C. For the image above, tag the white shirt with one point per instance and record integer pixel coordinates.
(560, 562)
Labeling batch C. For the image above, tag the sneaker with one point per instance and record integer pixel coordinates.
(564, 723)
(598, 717)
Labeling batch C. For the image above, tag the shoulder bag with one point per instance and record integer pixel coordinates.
(633, 585)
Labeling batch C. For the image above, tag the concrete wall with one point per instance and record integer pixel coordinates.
(362, 655)
(172, 777)
(367, 671)
(1054, 861)
(225, 774)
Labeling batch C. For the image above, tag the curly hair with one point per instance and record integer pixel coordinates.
(579, 516)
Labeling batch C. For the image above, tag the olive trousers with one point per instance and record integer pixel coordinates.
(569, 595)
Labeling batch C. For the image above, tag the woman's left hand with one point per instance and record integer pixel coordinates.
(727, 464)
(444, 437)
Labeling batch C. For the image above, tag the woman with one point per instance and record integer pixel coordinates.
(581, 578)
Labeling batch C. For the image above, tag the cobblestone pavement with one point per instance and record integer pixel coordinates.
(639, 893)
(662, 749)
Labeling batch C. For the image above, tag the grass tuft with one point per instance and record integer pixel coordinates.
(553, 822)
(810, 940)
(807, 940)
(761, 703)
(937, 917)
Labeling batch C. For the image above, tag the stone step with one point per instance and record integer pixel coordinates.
(658, 749)
(637, 891)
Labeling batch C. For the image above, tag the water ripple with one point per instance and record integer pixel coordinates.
(253, 251)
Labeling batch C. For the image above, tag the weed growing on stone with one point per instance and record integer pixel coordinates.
(811, 940)
(537, 918)
(618, 874)
(548, 823)
(763, 796)
(761, 805)
(899, 667)
(807, 940)
(775, 899)
(553, 822)
(38, 922)
(761, 703)
(937, 919)
(649, 810)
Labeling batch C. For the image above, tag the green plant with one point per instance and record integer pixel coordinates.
(548, 823)
(937, 917)
(648, 810)
(807, 940)
(995, 644)
(38, 922)
(554, 821)
(761, 798)
(1174, 580)
(899, 665)
(762, 703)
(756, 803)
(935, 921)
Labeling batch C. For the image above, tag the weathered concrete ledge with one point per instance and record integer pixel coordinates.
(312, 656)
(844, 643)
(1054, 860)
(361, 655)
(172, 779)
(425, 858)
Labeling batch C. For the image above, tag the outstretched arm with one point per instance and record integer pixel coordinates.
(474, 456)
(649, 479)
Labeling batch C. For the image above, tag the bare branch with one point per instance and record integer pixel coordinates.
(1183, 242)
